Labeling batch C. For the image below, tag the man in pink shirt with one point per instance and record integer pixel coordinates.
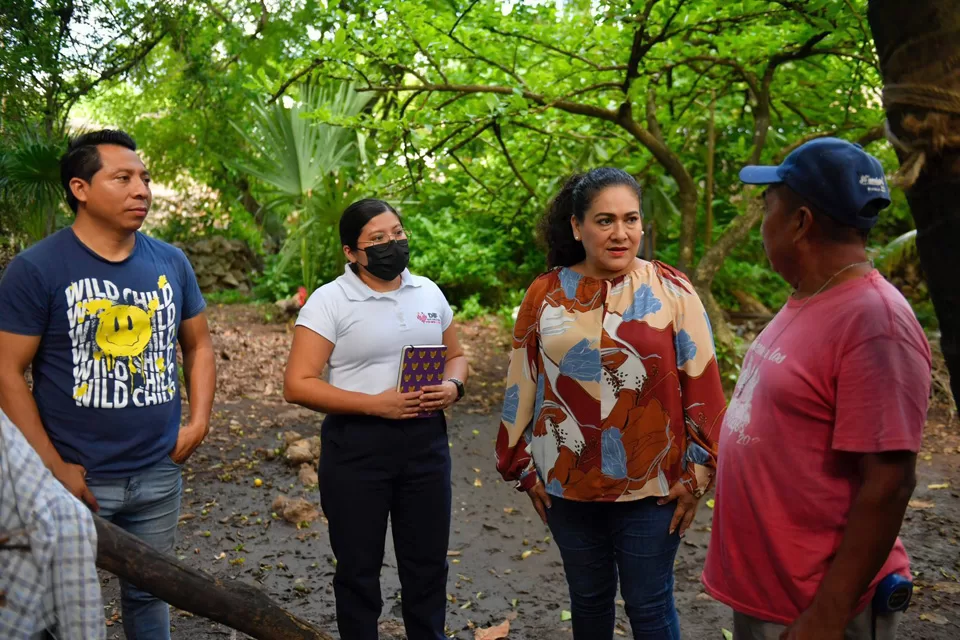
(818, 446)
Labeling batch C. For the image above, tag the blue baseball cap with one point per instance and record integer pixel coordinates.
(837, 177)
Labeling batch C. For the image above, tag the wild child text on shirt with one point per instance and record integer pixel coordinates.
(124, 344)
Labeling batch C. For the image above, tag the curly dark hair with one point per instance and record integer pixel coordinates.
(574, 199)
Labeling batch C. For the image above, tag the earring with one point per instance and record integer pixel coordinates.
(577, 238)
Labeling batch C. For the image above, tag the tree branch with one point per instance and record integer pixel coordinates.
(440, 144)
(561, 134)
(113, 72)
(430, 59)
(672, 164)
(562, 105)
(867, 35)
(714, 27)
(594, 87)
(846, 54)
(749, 77)
(217, 12)
(446, 103)
(805, 51)
(262, 23)
(406, 159)
(638, 49)
(461, 17)
(652, 124)
(476, 55)
(762, 111)
(316, 63)
(733, 235)
(794, 108)
(506, 154)
(550, 47)
(406, 103)
(473, 177)
(872, 135)
(798, 8)
(236, 604)
(469, 138)
(388, 63)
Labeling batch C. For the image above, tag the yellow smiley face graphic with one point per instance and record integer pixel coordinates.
(124, 330)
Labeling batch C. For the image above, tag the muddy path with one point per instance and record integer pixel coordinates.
(503, 562)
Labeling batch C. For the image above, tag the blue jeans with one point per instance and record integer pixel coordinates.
(148, 506)
(598, 542)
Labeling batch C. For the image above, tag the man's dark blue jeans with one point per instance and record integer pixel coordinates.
(601, 541)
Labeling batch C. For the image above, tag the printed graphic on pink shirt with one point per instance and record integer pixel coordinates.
(740, 409)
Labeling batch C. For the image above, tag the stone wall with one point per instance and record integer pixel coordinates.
(221, 263)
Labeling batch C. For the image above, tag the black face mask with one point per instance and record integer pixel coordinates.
(387, 261)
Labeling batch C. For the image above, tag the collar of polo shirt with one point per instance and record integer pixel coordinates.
(355, 289)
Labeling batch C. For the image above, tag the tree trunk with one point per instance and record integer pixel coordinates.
(711, 262)
(711, 155)
(919, 48)
(688, 228)
(249, 202)
(238, 605)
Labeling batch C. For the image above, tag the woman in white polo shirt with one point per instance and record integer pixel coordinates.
(378, 458)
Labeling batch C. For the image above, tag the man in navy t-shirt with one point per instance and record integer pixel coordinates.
(98, 309)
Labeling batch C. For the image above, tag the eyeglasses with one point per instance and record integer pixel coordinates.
(384, 238)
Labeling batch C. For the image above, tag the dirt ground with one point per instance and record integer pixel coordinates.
(227, 528)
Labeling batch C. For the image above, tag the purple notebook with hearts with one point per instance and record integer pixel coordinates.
(421, 366)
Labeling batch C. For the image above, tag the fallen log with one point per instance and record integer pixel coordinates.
(237, 605)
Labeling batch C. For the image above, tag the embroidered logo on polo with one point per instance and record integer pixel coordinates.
(428, 318)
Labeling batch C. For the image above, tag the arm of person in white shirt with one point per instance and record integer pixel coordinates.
(302, 384)
(441, 396)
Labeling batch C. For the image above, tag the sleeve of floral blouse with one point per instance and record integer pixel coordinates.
(514, 461)
(701, 389)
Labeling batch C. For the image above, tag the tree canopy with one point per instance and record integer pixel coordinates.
(477, 110)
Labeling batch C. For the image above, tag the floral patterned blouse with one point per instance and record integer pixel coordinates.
(613, 390)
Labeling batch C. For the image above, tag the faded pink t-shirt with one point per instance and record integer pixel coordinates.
(850, 373)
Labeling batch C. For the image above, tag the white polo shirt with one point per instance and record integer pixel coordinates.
(369, 328)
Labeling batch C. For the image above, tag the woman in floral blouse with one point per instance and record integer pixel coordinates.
(612, 406)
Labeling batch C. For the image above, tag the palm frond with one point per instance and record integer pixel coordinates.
(309, 153)
(658, 206)
(897, 252)
(295, 147)
(30, 182)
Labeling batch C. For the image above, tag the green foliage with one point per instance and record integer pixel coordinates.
(475, 112)
(470, 308)
(55, 53)
(294, 149)
(312, 166)
(464, 253)
(31, 197)
(228, 296)
(729, 358)
(278, 280)
(897, 252)
(748, 270)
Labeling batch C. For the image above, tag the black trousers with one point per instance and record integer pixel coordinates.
(372, 468)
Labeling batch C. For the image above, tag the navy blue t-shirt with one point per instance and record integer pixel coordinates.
(105, 375)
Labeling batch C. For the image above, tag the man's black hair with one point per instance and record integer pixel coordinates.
(82, 159)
